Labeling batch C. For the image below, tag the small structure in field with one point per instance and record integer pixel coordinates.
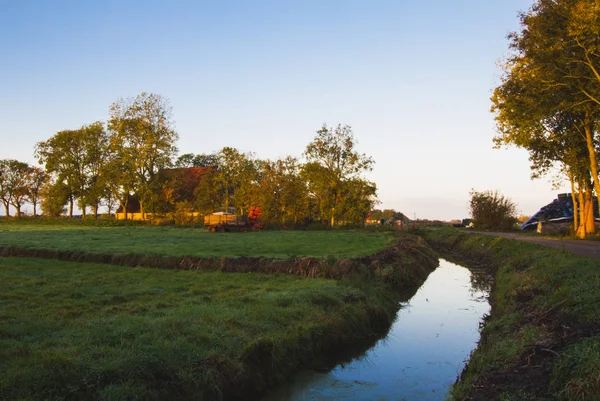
(223, 221)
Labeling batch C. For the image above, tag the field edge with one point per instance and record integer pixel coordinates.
(541, 340)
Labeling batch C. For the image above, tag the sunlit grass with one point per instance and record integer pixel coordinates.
(85, 331)
(177, 241)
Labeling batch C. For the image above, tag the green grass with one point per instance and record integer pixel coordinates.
(85, 331)
(541, 297)
(577, 372)
(177, 241)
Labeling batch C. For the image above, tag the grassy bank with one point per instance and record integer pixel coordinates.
(202, 330)
(86, 331)
(405, 263)
(542, 340)
(177, 241)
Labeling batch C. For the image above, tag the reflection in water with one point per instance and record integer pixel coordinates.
(421, 356)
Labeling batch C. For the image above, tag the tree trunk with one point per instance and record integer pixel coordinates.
(18, 213)
(7, 209)
(83, 207)
(582, 212)
(96, 211)
(574, 200)
(589, 139)
(109, 206)
(71, 207)
(142, 209)
(590, 226)
(332, 217)
(226, 197)
(123, 204)
(34, 209)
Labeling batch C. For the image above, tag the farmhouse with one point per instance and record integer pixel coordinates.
(176, 185)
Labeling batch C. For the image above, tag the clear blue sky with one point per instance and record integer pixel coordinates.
(412, 78)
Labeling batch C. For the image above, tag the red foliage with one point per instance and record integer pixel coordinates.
(254, 213)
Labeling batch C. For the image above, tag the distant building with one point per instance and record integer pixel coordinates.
(176, 185)
(559, 211)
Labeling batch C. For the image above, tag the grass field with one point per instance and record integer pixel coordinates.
(177, 241)
(85, 331)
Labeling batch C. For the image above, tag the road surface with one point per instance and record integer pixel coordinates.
(590, 249)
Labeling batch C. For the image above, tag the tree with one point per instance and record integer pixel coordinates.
(143, 139)
(376, 214)
(63, 156)
(293, 191)
(237, 175)
(199, 160)
(4, 186)
(282, 194)
(492, 211)
(560, 37)
(98, 156)
(36, 178)
(54, 195)
(548, 99)
(358, 198)
(119, 181)
(333, 160)
(319, 194)
(208, 195)
(388, 214)
(13, 184)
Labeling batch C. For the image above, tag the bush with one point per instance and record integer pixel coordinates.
(492, 211)
(184, 214)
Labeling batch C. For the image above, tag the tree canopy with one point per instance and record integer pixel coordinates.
(144, 142)
(547, 101)
(334, 170)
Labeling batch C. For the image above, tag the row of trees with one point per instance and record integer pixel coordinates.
(96, 165)
(133, 156)
(388, 215)
(549, 99)
(285, 190)
(20, 183)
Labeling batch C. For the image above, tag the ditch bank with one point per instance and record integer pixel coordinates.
(542, 338)
(267, 360)
(405, 263)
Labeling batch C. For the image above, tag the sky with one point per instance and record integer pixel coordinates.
(412, 78)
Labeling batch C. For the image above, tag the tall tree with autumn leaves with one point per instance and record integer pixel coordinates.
(549, 99)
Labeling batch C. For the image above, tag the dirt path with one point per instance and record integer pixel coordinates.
(590, 249)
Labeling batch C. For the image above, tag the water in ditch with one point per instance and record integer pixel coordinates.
(424, 351)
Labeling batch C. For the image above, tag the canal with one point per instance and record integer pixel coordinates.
(421, 356)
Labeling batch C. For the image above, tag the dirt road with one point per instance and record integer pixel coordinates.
(590, 249)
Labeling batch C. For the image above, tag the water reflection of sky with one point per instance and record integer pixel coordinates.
(419, 359)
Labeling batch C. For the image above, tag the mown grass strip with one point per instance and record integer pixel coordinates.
(543, 336)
